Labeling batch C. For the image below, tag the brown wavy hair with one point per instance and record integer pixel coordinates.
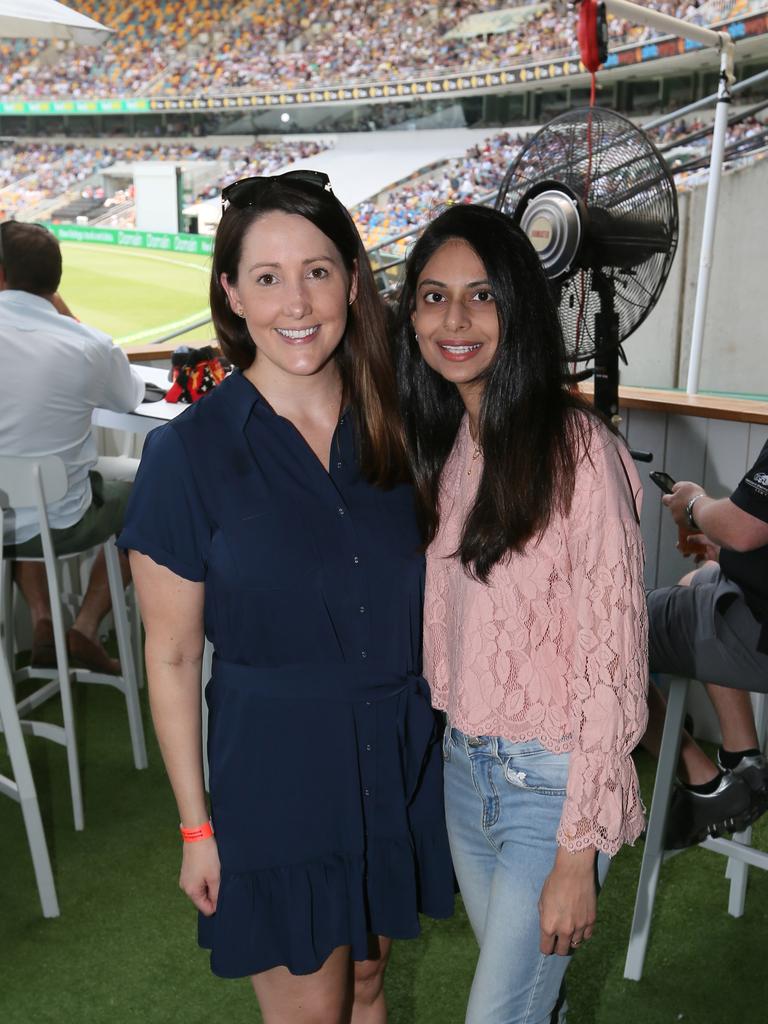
(364, 353)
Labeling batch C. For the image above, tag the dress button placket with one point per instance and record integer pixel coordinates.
(367, 726)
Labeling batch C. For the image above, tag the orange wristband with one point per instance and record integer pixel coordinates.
(194, 835)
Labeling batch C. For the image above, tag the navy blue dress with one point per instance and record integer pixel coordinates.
(325, 774)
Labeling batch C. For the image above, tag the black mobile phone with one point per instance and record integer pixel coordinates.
(153, 393)
(662, 480)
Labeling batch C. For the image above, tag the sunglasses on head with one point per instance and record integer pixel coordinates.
(244, 192)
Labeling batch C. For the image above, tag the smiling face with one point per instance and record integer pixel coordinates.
(294, 292)
(455, 317)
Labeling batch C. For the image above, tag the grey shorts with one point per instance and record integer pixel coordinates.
(102, 518)
(706, 631)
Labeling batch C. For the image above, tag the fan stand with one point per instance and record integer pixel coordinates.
(607, 352)
(606, 349)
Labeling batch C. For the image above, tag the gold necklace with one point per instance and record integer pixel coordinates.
(475, 456)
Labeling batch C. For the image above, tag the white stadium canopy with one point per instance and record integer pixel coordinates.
(46, 19)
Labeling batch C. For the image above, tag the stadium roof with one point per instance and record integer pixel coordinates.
(46, 19)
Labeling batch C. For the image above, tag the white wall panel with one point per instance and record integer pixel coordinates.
(647, 431)
(726, 456)
(685, 460)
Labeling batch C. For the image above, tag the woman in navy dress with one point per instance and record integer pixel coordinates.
(275, 517)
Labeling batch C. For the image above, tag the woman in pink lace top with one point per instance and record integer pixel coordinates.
(535, 623)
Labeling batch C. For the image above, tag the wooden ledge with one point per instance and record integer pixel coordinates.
(711, 407)
(163, 352)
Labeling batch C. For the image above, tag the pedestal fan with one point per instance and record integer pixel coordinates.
(599, 204)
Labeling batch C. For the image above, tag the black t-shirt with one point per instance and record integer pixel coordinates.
(750, 568)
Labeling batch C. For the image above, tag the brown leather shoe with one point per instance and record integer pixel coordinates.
(43, 653)
(85, 653)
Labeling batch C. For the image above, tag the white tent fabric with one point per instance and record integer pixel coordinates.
(47, 19)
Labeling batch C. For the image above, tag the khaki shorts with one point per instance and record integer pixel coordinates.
(103, 517)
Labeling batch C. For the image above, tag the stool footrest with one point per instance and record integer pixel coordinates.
(738, 851)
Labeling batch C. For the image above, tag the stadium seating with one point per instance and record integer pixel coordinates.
(37, 178)
(472, 177)
(172, 47)
(61, 181)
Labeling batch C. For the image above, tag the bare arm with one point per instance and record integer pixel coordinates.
(723, 522)
(61, 307)
(172, 610)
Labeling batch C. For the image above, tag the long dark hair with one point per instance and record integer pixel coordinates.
(363, 356)
(531, 440)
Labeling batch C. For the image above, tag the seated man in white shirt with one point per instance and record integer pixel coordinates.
(55, 372)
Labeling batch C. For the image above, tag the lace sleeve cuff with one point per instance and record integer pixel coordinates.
(602, 808)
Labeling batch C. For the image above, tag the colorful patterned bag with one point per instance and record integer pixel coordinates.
(195, 371)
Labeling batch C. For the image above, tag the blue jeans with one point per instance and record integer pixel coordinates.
(503, 803)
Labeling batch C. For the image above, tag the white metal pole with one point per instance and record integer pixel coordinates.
(664, 22)
(723, 42)
(710, 221)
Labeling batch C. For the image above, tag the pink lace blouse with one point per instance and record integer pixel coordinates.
(555, 646)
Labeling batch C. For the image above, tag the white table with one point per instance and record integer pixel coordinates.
(146, 416)
(140, 422)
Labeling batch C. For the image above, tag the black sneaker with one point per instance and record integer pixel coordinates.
(695, 816)
(754, 770)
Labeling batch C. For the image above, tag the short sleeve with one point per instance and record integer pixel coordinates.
(166, 518)
(752, 493)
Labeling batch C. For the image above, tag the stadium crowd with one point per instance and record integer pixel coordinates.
(32, 172)
(173, 47)
(467, 178)
(479, 172)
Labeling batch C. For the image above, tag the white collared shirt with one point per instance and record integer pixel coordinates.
(54, 373)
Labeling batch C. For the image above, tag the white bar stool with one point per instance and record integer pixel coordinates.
(738, 850)
(38, 482)
(21, 787)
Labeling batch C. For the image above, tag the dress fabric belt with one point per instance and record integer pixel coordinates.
(326, 796)
(402, 698)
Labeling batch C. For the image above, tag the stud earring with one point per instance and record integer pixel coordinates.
(241, 312)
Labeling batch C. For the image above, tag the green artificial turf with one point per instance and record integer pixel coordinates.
(135, 295)
(124, 947)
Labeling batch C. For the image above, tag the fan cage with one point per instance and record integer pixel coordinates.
(606, 160)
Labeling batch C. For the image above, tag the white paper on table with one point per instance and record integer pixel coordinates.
(153, 375)
(161, 410)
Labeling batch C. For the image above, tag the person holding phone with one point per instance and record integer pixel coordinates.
(688, 542)
(713, 626)
(276, 517)
(535, 626)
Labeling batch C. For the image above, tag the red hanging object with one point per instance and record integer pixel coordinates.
(593, 34)
(593, 45)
